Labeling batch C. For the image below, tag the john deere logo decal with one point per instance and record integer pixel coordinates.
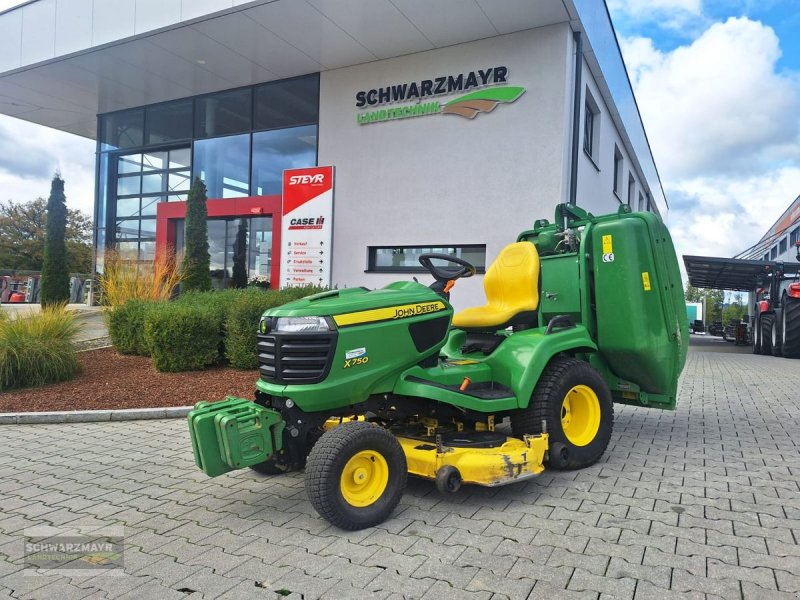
(485, 100)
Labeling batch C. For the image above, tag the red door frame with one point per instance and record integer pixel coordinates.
(251, 206)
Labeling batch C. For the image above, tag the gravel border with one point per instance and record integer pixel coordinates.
(90, 416)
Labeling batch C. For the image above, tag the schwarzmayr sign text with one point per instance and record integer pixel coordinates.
(491, 92)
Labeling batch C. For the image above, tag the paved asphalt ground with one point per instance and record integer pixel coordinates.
(700, 502)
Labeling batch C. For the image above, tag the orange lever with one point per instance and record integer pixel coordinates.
(465, 384)
(449, 286)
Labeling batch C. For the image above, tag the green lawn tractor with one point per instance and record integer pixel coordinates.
(364, 387)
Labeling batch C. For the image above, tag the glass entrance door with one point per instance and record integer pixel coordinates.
(222, 248)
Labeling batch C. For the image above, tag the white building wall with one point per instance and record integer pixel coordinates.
(596, 174)
(444, 179)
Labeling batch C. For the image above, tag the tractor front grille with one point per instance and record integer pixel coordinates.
(295, 358)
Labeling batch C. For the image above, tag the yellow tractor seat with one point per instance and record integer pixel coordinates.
(512, 292)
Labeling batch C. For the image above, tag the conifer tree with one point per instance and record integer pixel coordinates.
(196, 259)
(55, 276)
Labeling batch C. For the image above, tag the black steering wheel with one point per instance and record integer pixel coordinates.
(444, 274)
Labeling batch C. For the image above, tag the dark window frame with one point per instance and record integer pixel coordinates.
(618, 169)
(372, 257)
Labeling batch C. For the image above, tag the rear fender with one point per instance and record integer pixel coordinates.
(521, 359)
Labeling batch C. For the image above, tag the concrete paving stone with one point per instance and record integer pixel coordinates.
(694, 534)
(755, 544)
(153, 589)
(342, 569)
(467, 524)
(401, 563)
(517, 534)
(534, 552)
(642, 526)
(490, 581)
(454, 575)
(693, 564)
(406, 587)
(444, 552)
(526, 569)
(420, 529)
(761, 576)
(345, 591)
(683, 581)
(213, 585)
(632, 553)
(659, 576)
(219, 560)
(441, 590)
(398, 543)
(544, 590)
(355, 553)
(166, 570)
(788, 582)
(311, 542)
(482, 542)
(565, 558)
(583, 580)
(647, 591)
(572, 542)
(499, 565)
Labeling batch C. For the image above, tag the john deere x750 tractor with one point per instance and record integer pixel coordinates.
(363, 387)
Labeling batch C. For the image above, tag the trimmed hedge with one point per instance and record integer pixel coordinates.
(183, 337)
(199, 328)
(126, 327)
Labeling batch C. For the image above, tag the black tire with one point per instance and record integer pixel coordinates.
(559, 378)
(791, 327)
(448, 480)
(775, 340)
(765, 333)
(330, 457)
(756, 335)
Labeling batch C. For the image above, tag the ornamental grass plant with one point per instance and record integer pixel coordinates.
(38, 348)
(124, 279)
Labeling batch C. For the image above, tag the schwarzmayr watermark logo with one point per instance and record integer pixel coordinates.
(494, 93)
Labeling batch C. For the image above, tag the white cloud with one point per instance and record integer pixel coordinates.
(32, 153)
(723, 216)
(679, 15)
(717, 105)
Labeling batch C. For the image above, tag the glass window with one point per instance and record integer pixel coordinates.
(128, 185)
(641, 202)
(130, 163)
(153, 183)
(223, 114)
(122, 130)
(631, 189)
(169, 122)
(154, 161)
(224, 165)
(127, 229)
(783, 246)
(794, 236)
(405, 259)
(287, 103)
(279, 149)
(128, 207)
(180, 158)
(148, 229)
(128, 250)
(773, 253)
(150, 205)
(617, 171)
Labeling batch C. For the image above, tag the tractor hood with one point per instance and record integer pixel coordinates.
(396, 300)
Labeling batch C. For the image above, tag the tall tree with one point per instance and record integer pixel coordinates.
(240, 256)
(22, 233)
(55, 275)
(196, 259)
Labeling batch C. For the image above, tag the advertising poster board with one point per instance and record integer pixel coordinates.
(307, 227)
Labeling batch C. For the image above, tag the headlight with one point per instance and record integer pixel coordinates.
(301, 324)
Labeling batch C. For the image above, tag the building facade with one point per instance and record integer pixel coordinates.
(451, 126)
(780, 241)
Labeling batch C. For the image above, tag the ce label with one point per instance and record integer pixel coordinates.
(608, 257)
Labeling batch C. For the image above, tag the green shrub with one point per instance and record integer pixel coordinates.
(126, 327)
(242, 319)
(38, 349)
(182, 336)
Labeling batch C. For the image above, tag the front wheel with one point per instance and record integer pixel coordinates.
(355, 475)
(766, 333)
(574, 401)
(757, 335)
(790, 327)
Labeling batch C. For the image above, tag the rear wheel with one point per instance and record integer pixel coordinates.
(766, 333)
(775, 336)
(790, 327)
(757, 335)
(574, 401)
(355, 475)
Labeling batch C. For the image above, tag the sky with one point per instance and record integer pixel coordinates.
(718, 86)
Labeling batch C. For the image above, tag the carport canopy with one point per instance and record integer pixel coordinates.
(734, 274)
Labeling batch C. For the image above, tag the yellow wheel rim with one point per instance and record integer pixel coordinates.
(364, 478)
(580, 415)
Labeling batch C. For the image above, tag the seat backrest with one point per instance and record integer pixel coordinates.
(513, 279)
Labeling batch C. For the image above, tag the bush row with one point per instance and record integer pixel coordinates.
(197, 329)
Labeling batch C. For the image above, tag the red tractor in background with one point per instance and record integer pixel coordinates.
(776, 320)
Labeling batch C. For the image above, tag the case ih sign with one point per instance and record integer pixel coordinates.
(307, 226)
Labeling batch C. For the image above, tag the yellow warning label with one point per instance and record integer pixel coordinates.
(646, 281)
(608, 244)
